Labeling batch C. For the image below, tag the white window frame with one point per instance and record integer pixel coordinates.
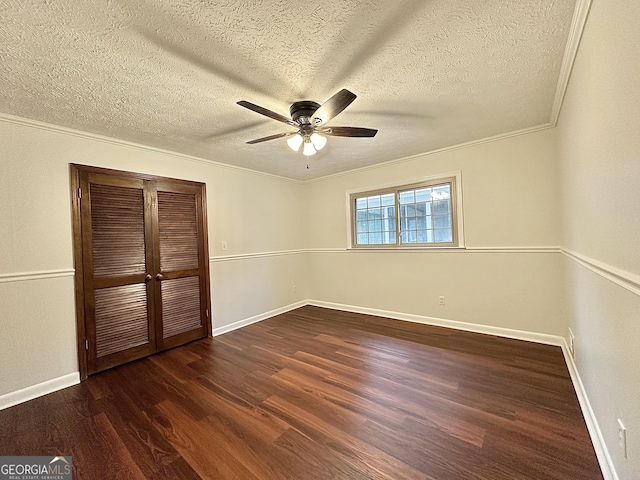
(454, 178)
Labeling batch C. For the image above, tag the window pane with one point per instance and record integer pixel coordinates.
(391, 212)
(361, 227)
(443, 235)
(442, 221)
(423, 195)
(389, 225)
(441, 192)
(362, 239)
(375, 226)
(441, 207)
(416, 215)
(421, 209)
(388, 199)
(374, 213)
(361, 215)
(373, 201)
(375, 238)
(361, 203)
(407, 197)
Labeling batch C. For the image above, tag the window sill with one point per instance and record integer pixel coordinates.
(407, 249)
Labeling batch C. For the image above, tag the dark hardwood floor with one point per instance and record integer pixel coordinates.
(319, 394)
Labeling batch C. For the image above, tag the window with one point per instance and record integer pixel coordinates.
(422, 214)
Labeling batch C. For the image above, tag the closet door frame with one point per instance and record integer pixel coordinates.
(78, 254)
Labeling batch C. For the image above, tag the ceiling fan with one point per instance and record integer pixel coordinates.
(310, 119)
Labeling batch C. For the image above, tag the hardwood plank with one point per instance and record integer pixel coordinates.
(147, 446)
(201, 446)
(320, 394)
(342, 442)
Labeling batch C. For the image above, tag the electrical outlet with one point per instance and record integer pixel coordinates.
(622, 437)
(223, 245)
(441, 300)
(572, 344)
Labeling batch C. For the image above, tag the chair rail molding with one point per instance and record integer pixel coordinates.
(36, 275)
(627, 280)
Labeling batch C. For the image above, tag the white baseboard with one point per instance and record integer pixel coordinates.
(606, 463)
(34, 391)
(441, 322)
(257, 318)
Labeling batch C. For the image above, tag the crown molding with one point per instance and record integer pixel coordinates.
(5, 117)
(570, 52)
(472, 143)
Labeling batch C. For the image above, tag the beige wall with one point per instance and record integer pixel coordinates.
(37, 316)
(509, 188)
(599, 156)
(511, 213)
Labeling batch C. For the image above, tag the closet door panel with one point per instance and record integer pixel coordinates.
(122, 319)
(117, 231)
(118, 297)
(178, 229)
(182, 311)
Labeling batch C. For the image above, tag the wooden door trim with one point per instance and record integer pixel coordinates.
(76, 224)
(78, 254)
(133, 175)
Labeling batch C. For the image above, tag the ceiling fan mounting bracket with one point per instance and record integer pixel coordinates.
(301, 112)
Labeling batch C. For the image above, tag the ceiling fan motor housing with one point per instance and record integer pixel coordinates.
(301, 112)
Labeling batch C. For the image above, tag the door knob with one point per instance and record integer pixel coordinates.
(148, 277)
(159, 276)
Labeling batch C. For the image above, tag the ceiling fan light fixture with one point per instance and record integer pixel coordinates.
(318, 141)
(308, 148)
(310, 118)
(295, 142)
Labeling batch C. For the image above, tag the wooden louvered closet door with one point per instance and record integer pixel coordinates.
(179, 260)
(144, 282)
(119, 297)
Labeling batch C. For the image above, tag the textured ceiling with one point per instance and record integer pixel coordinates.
(428, 73)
